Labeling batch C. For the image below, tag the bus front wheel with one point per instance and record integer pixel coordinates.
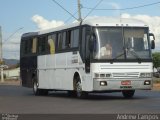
(128, 93)
(79, 92)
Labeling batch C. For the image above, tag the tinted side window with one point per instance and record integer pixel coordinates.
(42, 45)
(75, 38)
(28, 46)
(64, 41)
(22, 47)
(60, 41)
(68, 39)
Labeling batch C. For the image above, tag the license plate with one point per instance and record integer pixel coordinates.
(127, 82)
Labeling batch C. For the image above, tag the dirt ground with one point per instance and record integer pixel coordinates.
(10, 82)
(156, 86)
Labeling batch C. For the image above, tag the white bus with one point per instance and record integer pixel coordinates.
(96, 55)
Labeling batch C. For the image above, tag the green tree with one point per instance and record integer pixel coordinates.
(17, 65)
(2, 62)
(156, 59)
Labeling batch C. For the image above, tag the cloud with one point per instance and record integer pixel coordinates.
(114, 5)
(43, 23)
(152, 21)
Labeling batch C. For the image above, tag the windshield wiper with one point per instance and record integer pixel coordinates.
(132, 52)
(112, 60)
(135, 55)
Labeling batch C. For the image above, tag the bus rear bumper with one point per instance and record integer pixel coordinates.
(122, 84)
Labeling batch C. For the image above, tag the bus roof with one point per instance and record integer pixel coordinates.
(100, 21)
(30, 34)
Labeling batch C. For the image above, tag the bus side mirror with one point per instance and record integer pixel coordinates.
(152, 38)
(152, 44)
(91, 48)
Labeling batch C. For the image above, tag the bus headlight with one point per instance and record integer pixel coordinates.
(145, 75)
(147, 82)
(103, 83)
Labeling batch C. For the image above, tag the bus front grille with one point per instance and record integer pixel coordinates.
(126, 75)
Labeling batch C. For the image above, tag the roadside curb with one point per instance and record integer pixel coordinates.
(10, 82)
(156, 87)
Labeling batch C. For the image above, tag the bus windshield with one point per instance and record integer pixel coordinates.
(121, 43)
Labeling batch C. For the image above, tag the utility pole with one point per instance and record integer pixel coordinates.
(79, 11)
(1, 56)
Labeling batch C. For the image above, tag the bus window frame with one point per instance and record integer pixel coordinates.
(68, 49)
(46, 50)
(24, 40)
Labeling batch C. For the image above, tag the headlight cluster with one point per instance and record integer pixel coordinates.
(145, 75)
(102, 75)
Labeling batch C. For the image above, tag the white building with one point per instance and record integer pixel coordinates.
(12, 73)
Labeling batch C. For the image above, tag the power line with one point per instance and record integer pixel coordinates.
(129, 8)
(7, 51)
(12, 35)
(14, 43)
(70, 17)
(92, 9)
(64, 9)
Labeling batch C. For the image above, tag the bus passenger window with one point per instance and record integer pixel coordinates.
(22, 51)
(68, 40)
(25, 47)
(42, 47)
(28, 47)
(60, 41)
(75, 38)
(64, 46)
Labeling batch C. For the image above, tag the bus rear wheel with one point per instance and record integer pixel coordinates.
(128, 93)
(38, 91)
(79, 93)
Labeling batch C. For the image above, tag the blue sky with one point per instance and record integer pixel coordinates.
(19, 13)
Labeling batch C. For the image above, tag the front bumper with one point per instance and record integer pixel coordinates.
(116, 84)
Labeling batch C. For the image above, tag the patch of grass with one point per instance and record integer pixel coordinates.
(156, 80)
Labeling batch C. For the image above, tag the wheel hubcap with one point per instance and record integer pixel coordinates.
(35, 87)
(79, 89)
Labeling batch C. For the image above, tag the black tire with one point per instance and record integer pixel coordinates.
(72, 93)
(128, 93)
(43, 92)
(38, 91)
(159, 75)
(79, 92)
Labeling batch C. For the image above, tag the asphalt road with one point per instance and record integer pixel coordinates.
(20, 100)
